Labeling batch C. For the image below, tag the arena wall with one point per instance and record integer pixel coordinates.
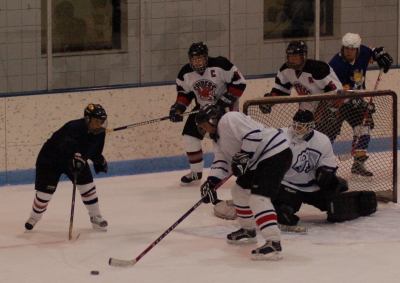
(27, 121)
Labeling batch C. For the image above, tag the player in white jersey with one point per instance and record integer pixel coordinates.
(206, 80)
(306, 76)
(259, 157)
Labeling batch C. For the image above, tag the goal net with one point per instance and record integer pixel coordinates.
(382, 148)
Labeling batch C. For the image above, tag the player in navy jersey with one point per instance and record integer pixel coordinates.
(259, 157)
(67, 152)
(204, 80)
(350, 65)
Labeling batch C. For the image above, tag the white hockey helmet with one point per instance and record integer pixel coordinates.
(350, 40)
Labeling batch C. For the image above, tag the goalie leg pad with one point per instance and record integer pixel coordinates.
(352, 205)
(225, 211)
(343, 207)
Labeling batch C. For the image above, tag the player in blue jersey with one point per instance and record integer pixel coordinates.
(350, 66)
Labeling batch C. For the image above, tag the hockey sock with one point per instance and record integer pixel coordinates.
(89, 198)
(40, 204)
(194, 153)
(240, 198)
(265, 217)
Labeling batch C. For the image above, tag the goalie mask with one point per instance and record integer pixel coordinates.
(198, 57)
(207, 120)
(350, 47)
(92, 112)
(296, 47)
(303, 124)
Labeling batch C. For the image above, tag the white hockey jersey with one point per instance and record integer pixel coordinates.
(308, 155)
(238, 132)
(219, 77)
(317, 77)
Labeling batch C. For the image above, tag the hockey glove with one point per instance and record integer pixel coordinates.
(226, 100)
(175, 112)
(361, 103)
(383, 58)
(208, 194)
(327, 180)
(100, 166)
(240, 163)
(266, 108)
(77, 163)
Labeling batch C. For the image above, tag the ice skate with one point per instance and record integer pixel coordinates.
(269, 251)
(192, 178)
(358, 168)
(98, 223)
(242, 236)
(30, 223)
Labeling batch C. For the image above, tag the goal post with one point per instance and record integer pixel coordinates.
(382, 149)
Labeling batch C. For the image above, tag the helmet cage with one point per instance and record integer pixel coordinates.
(296, 47)
(98, 112)
(301, 130)
(199, 50)
(208, 114)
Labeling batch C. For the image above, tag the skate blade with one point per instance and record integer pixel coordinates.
(194, 183)
(98, 228)
(242, 242)
(271, 256)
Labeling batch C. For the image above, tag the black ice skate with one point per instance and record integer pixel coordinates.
(30, 223)
(192, 178)
(242, 236)
(358, 167)
(269, 251)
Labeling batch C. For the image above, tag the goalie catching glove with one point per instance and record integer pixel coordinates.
(77, 163)
(100, 165)
(361, 103)
(175, 112)
(208, 194)
(240, 163)
(383, 58)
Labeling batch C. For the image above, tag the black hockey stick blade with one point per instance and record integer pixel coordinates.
(146, 122)
(129, 263)
(293, 229)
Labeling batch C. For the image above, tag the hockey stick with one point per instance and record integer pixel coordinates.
(347, 156)
(71, 219)
(130, 263)
(293, 229)
(147, 122)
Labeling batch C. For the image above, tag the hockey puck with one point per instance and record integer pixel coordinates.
(94, 272)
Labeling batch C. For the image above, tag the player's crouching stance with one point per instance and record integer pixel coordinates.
(259, 157)
(67, 152)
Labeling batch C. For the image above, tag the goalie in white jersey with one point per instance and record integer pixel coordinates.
(205, 80)
(259, 157)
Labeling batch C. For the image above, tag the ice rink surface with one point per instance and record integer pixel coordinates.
(142, 207)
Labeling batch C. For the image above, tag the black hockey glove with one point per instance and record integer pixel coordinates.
(361, 103)
(266, 108)
(226, 100)
(77, 163)
(208, 194)
(326, 179)
(383, 58)
(100, 166)
(175, 112)
(240, 163)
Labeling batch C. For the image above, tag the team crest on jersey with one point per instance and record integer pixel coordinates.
(301, 89)
(306, 160)
(358, 79)
(205, 90)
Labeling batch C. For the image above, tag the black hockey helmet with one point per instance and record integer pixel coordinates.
(95, 111)
(210, 114)
(198, 49)
(296, 47)
(303, 123)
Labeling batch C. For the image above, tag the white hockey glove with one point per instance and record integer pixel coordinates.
(240, 163)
